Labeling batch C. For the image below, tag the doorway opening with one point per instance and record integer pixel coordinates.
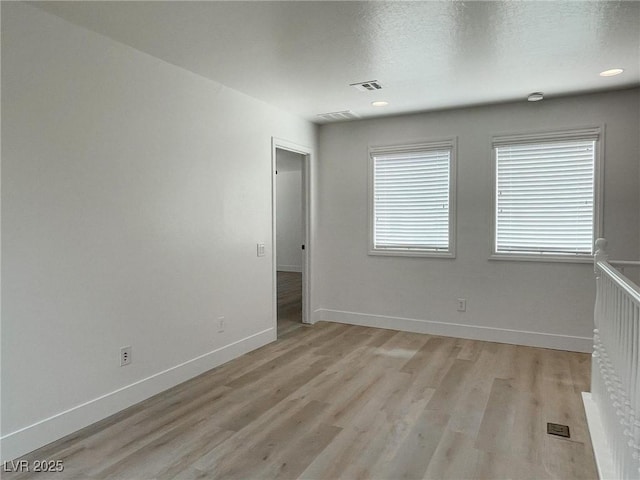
(291, 236)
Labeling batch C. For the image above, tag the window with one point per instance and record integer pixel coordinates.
(546, 195)
(412, 199)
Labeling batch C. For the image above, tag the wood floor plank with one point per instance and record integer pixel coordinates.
(580, 366)
(455, 457)
(495, 465)
(251, 456)
(529, 423)
(469, 410)
(118, 440)
(381, 336)
(183, 456)
(335, 381)
(180, 442)
(298, 456)
(498, 418)
(433, 360)
(566, 459)
(345, 343)
(270, 367)
(470, 350)
(413, 458)
(342, 401)
(451, 387)
(258, 405)
(351, 448)
(368, 435)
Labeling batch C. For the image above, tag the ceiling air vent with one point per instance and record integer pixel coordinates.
(370, 86)
(336, 116)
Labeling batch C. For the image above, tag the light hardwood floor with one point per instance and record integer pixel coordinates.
(336, 401)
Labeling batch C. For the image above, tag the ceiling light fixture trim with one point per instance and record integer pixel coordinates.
(535, 97)
(611, 72)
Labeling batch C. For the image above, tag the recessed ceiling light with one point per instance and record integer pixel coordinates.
(612, 72)
(535, 97)
(380, 103)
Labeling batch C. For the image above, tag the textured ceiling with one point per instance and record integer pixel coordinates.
(302, 56)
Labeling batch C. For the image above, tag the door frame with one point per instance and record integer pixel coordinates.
(307, 182)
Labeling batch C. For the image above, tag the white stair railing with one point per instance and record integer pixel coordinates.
(615, 376)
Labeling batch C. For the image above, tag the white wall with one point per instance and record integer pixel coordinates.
(548, 304)
(289, 207)
(133, 196)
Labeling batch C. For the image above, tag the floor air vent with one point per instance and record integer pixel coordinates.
(559, 430)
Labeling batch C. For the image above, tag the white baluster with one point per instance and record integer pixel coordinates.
(616, 363)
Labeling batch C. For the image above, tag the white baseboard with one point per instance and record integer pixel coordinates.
(473, 332)
(598, 440)
(32, 437)
(290, 268)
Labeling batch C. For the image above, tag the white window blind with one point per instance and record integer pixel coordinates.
(545, 197)
(411, 200)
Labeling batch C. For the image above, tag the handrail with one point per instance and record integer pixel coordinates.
(625, 263)
(621, 281)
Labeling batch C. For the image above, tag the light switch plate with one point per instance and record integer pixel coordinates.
(261, 249)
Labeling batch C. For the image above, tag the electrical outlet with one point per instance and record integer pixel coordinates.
(221, 324)
(462, 304)
(125, 356)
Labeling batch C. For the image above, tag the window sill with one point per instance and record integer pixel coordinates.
(414, 253)
(520, 257)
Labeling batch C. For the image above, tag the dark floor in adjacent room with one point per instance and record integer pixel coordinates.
(289, 302)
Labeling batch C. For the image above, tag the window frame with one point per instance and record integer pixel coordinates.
(450, 144)
(587, 133)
